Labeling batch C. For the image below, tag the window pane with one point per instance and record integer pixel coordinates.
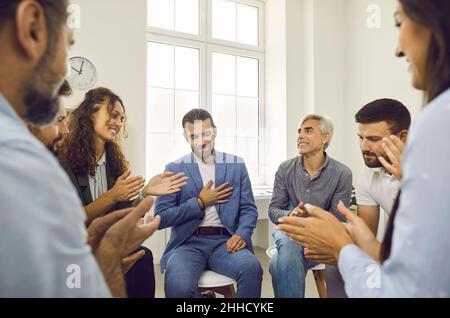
(187, 68)
(187, 16)
(181, 147)
(223, 74)
(160, 112)
(224, 20)
(224, 114)
(160, 72)
(184, 102)
(161, 14)
(247, 117)
(157, 159)
(247, 24)
(247, 148)
(226, 144)
(247, 77)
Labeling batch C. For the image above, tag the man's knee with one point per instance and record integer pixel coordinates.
(251, 267)
(179, 284)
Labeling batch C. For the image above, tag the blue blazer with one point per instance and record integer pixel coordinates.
(182, 212)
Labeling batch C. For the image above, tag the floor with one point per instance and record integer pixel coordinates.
(267, 290)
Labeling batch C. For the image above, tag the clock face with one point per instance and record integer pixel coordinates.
(82, 73)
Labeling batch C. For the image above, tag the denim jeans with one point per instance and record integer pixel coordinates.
(200, 252)
(288, 268)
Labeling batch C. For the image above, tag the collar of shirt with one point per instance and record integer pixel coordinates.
(198, 160)
(382, 172)
(8, 111)
(325, 165)
(102, 160)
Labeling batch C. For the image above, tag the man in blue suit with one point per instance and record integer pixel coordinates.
(212, 218)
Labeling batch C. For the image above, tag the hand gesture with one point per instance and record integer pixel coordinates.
(393, 147)
(131, 231)
(235, 244)
(218, 195)
(299, 210)
(126, 187)
(164, 184)
(360, 233)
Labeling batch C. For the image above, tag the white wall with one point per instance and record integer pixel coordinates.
(372, 70)
(112, 35)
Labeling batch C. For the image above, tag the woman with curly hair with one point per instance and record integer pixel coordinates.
(96, 165)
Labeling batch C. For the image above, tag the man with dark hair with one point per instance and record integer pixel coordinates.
(52, 135)
(376, 187)
(379, 122)
(212, 218)
(43, 249)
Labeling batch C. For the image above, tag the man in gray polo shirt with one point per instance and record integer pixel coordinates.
(314, 178)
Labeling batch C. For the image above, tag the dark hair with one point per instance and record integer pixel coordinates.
(434, 15)
(391, 111)
(79, 147)
(65, 89)
(55, 15)
(197, 114)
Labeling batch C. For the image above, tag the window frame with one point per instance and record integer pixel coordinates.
(206, 46)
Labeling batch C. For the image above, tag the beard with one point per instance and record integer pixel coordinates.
(55, 146)
(205, 153)
(40, 94)
(371, 159)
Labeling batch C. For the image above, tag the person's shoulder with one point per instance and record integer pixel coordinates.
(340, 167)
(435, 115)
(36, 184)
(224, 157)
(287, 164)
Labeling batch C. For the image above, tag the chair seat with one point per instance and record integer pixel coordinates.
(211, 279)
(272, 251)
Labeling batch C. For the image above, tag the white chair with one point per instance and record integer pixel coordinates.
(217, 283)
(318, 272)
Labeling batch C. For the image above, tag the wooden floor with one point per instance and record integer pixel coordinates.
(267, 290)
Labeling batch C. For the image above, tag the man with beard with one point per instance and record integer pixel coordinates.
(377, 187)
(378, 184)
(43, 248)
(53, 134)
(212, 218)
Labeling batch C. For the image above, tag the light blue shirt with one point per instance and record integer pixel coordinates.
(43, 250)
(419, 265)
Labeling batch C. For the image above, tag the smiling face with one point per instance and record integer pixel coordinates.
(413, 43)
(201, 136)
(310, 139)
(109, 120)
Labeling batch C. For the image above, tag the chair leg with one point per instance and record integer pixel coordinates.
(226, 291)
(319, 277)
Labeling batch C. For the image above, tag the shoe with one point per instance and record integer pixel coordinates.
(208, 294)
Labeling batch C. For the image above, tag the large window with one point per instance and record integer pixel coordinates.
(207, 54)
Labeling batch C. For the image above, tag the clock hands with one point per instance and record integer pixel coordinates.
(79, 72)
(81, 67)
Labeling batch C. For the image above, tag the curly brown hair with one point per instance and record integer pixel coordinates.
(79, 146)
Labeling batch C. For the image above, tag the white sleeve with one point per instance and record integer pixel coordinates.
(363, 196)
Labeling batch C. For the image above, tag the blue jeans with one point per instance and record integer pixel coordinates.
(288, 268)
(200, 252)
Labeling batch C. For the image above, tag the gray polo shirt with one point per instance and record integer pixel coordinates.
(333, 183)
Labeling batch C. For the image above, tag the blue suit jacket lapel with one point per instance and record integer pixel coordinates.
(192, 169)
(221, 170)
